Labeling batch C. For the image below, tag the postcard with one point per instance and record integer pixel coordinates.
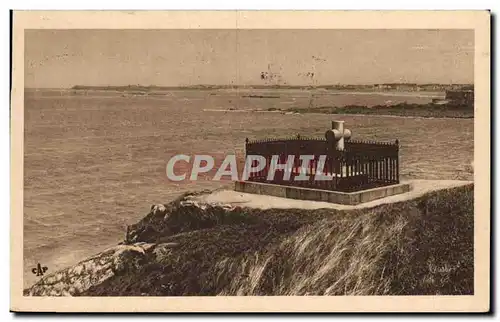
(250, 161)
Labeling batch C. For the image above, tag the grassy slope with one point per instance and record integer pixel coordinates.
(424, 246)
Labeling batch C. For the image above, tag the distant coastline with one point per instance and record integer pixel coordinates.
(371, 87)
(402, 109)
(358, 87)
(436, 107)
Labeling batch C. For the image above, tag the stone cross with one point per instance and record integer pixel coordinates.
(338, 134)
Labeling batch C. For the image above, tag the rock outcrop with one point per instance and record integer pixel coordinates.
(92, 271)
(133, 253)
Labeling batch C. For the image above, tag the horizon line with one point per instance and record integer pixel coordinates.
(249, 85)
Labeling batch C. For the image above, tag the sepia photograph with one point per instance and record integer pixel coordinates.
(220, 162)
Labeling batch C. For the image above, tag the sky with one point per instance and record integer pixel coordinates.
(64, 58)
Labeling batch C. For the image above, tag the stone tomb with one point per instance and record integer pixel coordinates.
(361, 171)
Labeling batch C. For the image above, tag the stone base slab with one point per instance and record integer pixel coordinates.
(344, 198)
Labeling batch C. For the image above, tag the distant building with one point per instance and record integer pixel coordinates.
(460, 97)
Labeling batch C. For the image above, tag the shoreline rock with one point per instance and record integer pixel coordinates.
(92, 271)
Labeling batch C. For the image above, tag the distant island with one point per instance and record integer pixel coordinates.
(370, 87)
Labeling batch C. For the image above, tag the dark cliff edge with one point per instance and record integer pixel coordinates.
(418, 247)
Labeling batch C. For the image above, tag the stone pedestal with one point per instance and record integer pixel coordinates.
(345, 198)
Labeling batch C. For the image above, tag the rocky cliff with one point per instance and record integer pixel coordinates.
(421, 246)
